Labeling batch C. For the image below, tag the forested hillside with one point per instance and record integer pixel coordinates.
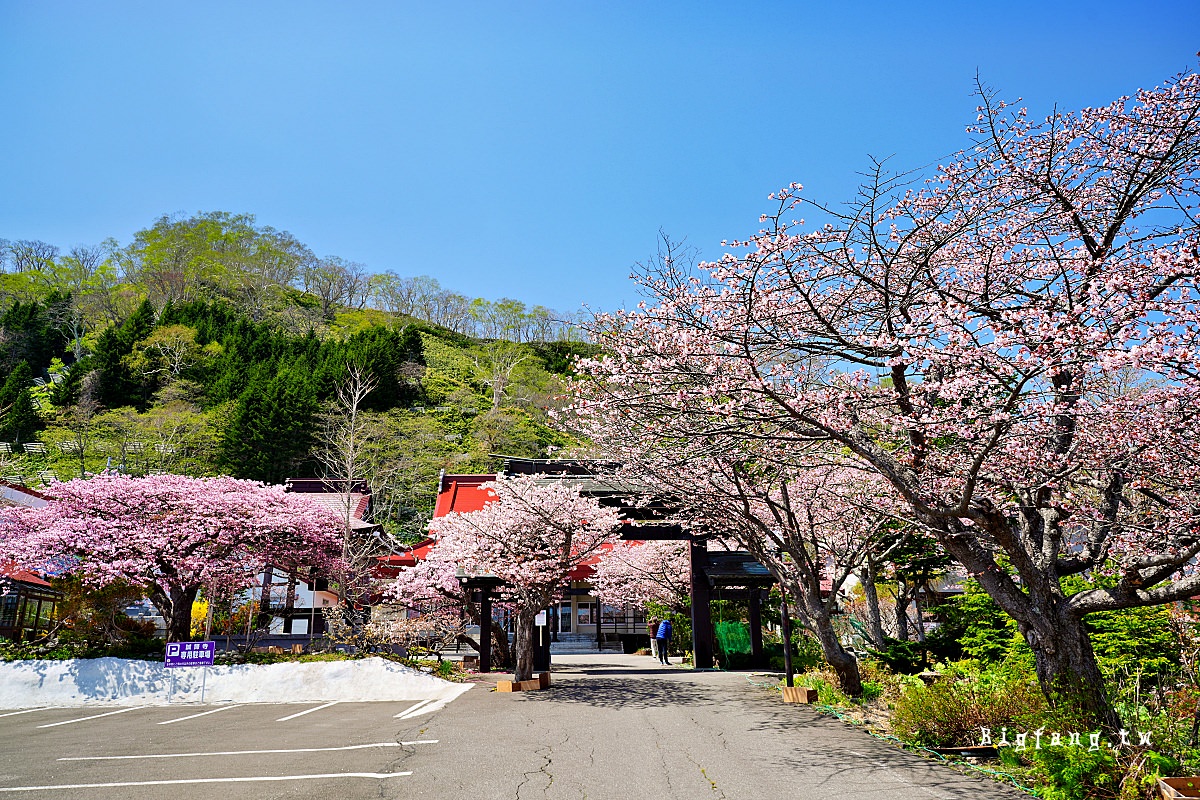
(212, 345)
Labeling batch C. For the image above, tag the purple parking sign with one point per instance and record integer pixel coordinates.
(190, 654)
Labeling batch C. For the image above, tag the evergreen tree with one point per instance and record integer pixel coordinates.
(20, 378)
(27, 335)
(118, 385)
(393, 359)
(69, 390)
(18, 414)
(271, 429)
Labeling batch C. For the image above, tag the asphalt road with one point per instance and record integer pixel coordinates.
(614, 727)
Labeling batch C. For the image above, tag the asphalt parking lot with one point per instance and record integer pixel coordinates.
(311, 750)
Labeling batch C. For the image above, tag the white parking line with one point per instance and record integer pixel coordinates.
(28, 711)
(182, 781)
(201, 714)
(251, 752)
(94, 716)
(411, 709)
(436, 705)
(306, 711)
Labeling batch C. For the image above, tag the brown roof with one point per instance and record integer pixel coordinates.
(337, 502)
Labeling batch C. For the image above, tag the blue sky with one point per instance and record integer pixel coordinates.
(529, 150)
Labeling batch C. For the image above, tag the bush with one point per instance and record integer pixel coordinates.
(901, 656)
(67, 645)
(1068, 773)
(951, 711)
(806, 651)
(1128, 641)
(826, 684)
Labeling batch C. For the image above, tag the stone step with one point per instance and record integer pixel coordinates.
(556, 650)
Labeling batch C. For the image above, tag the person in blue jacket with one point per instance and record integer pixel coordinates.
(663, 640)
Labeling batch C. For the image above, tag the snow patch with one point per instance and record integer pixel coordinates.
(116, 681)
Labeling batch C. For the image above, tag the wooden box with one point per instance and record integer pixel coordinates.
(799, 694)
(544, 680)
(519, 685)
(1179, 788)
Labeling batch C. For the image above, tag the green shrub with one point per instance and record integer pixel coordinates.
(1068, 773)
(826, 684)
(1128, 641)
(806, 651)
(66, 644)
(901, 656)
(951, 711)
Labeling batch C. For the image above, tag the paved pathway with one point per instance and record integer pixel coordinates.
(616, 727)
(611, 728)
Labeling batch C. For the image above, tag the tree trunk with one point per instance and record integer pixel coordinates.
(1066, 664)
(842, 663)
(176, 608)
(920, 618)
(1067, 670)
(501, 652)
(874, 621)
(523, 670)
(901, 612)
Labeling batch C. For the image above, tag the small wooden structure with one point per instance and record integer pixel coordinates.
(27, 601)
(733, 574)
(27, 605)
(1179, 788)
(799, 694)
(542, 681)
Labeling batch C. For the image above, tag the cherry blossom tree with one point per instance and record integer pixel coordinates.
(811, 527)
(1012, 344)
(530, 537)
(171, 534)
(432, 584)
(812, 523)
(644, 572)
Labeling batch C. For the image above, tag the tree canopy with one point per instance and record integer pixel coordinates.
(170, 534)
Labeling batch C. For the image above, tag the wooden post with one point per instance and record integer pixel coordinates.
(289, 603)
(702, 649)
(485, 630)
(756, 642)
(785, 623)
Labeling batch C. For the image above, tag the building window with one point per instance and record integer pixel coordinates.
(564, 617)
(586, 613)
(8, 610)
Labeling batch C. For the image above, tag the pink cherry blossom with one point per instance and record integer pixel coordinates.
(529, 538)
(636, 573)
(172, 534)
(1012, 344)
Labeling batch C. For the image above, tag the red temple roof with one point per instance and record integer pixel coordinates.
(13, 573)
(462, 493)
